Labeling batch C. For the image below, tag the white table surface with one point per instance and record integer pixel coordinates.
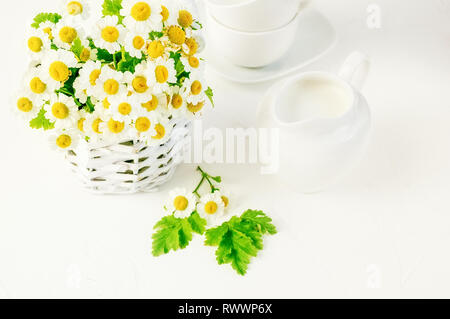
(383, 232)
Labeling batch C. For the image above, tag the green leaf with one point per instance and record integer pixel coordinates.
(156, 35)
(210, 94)
(173, 233)
(41, 122)
(179, 67)
(112, 8)
(102, 55)
(128, 64)
(215, 235)
(240, 239)
(262, 220)
(77, 47)
(89, 107)
(197, 223)
(217, 179)
(167, 236)
(44, 17)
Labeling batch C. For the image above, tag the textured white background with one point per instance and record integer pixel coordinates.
(389, 220)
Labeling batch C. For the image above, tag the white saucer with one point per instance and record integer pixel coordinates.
(316, 36)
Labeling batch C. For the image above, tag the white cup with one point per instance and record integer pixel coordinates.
(255, 15)
(252, 49)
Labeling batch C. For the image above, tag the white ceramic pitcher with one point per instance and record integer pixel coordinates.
(324, 124)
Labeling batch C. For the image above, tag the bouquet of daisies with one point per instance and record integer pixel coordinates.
(126, 79)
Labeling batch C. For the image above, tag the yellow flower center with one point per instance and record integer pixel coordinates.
(138, 42)
(59, 71)
(110, 34)
(160, 132)
(60, 110)
(161, 74)
(177, 101)
(67, 34)
(35, 44)
(140, 84)
(48, 31)
(194, 108)
(164, 13)
(180, 203)
(152, 104)
(143, 124)
(141, 11)
(85, 55)
(155, 49)
(211, 208)
(24, 104)
(111, 87)
(37, 86)
(116, 127)
(96, 126)
(106, 103)
(225, 200)
(176, 35)
(196, 88)
(74, 8)
(80, 124)
(192, 46)
(64, 141)
(124, 108)
(185, 18)
(93, 77)
(194, 62)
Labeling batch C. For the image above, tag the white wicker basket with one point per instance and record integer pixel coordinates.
(130, 166)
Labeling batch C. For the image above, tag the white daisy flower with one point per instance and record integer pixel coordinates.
(116, 130)
(64, 140)
(178, 102)
(157, 103)
(181, 202)
(195, 89)
(110, 84)
(80, 91)
(82, 121)
(190, 46)
(135, 43)
(65, 33)
(36, 85)
(124, 108)
(138, 83)
(163, 129)
(195, 109)
(88, 75)
(144, 125)
(95, 124)
(193, 65)
(87, 53)
(62, 110)
(180, 13)
(142, 16)
(56, 67)
(109, 35)
(25, 105)
(77, 10)
(37, 43)
(48, 28)
(211, 207)
(161, 73)
(155, 49)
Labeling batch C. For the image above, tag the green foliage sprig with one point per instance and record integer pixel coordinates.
(237, 240)
(44, 17)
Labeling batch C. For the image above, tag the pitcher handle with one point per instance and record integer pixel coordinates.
(356, 69)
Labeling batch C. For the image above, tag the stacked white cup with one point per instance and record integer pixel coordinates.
(253, 33)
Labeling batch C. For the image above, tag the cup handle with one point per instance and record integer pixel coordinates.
(355, 69)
